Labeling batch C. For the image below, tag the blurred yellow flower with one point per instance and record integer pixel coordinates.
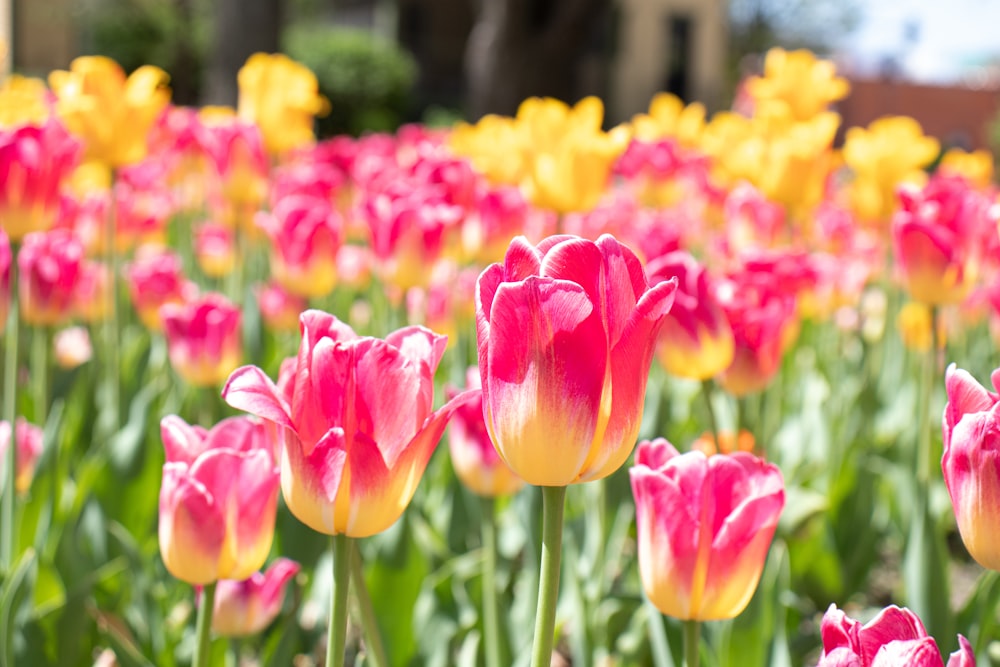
(975, 166)
(891, 151)
(493, 147)
(22, 101)
(914, 322)
(112, 113)
(668, 117)
(282, 97)
(806, 84)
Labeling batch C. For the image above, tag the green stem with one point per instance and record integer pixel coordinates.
(111, 327)
(203, 629)
(369, 624)
(337, 635)
(7, 529)
(926, 385)
(706, 391)
(491, 611)
(553, 503)
(40, 342)
(692, 643)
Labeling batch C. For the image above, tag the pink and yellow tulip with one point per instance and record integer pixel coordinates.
(49, 265)
(246, 607)
(705, 524)
(29, 448)
(566, 333)
(305, 234)
(204, 338)
(218, 500)
(359, 428)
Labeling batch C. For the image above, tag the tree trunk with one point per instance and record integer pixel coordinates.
(524, 48)
(242, 28)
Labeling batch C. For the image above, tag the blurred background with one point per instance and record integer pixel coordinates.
(384, 62)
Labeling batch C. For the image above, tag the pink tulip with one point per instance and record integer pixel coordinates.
(49, 266)
(246, 607)
(566, 334)
(279, 308)
(236, 151)
(92, 298)
(359, 428)
(305, 234)
(971, 462)
(33, 163)
(72, 347)
(312, 178)
(696, 340)
(156, 279)
(29, 448)
(215, 249)
(473, 456)
(143, 205)
(938, 235)
(204, 338)
(218, 500)
(894, 638)
(704, 528)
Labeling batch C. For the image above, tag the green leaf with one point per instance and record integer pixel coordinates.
(15, 585)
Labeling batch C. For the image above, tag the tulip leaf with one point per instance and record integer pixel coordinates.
(925, 570)
(15, 583)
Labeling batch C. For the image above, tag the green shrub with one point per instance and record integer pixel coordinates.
(367, 79)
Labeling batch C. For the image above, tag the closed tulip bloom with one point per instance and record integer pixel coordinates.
(473, 456)
(49, 265)
(938, 235)
(282, 97)
(696, 341)
(894, 638)
(34, 161)
(215, 249)
(705, 524)
(204, 338)
(971, 462)
(305, 235)
(112, 113)
(156, 279)
(566, 333)
(218, 500)
(29, 448)
(279, 308)
(359, 427)
(246, 607)
(235, 149)
(72, 347)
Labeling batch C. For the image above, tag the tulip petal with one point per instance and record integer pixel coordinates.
(522, 260)
(964, 656)
(543, 387)
(965, 395)
(892, 623)
(192, 528)
(181, 441)
(309, 483)
(250, 390)
(910, 652)
(486, 287)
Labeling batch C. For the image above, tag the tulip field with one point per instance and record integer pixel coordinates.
(693, 390)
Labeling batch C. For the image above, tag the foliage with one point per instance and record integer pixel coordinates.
(368, 80)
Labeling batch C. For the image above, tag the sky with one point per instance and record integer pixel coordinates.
(950, 37)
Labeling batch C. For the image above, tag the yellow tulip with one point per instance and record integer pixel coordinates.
(669, 118)
(975, 166)
(112, 113)
(891, 151)
(282, 97)
(22, 101)
(805, 83)
(493, 147)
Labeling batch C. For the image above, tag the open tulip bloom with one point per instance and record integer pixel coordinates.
(566, 332)
(358, 431)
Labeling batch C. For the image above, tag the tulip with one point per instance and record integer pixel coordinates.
(971, 462)
(704, 528)
(696, 340)
(668, 117)
(566, 333)
(156, 279)
(92, 298)
(29, 448)
(235, 149)
(23, 101)
(72, 347)
(49, 265)
(282, 97)
(894, 638)
(976, 166)
(218, 500)
(305, 233)
(34, 160)
(279, 308)
(246, 607)
(473, 456)
(204, 338)
(938, 234)
(112, 113)
(359, 429)
(798, 79)
(143, 206)
(214, 249)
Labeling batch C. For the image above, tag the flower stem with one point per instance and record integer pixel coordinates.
(706, 391)
(491, 613)
(40, 342)
(7, 531)
(692, 643)
(926, 386)
(369, 624)
(553, 503)
(203, 629)
(337, 635)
